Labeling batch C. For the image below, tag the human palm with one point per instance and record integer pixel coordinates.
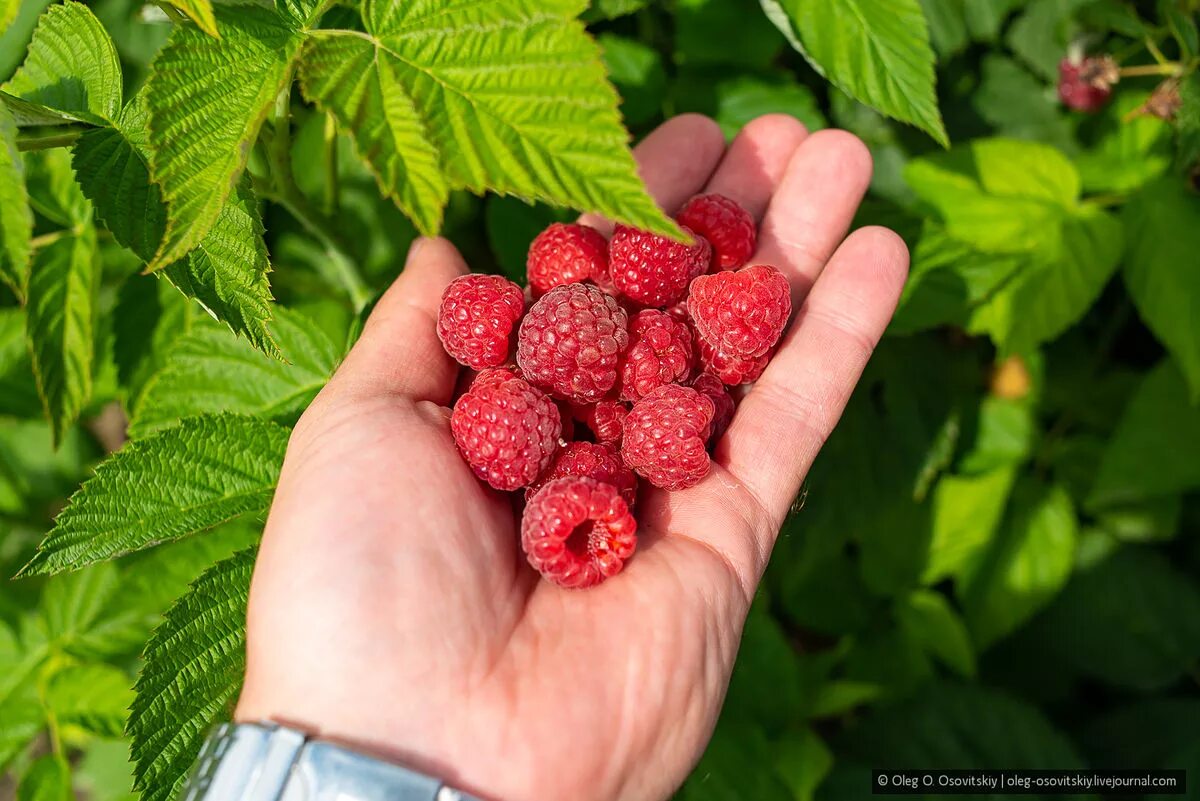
(391, 606)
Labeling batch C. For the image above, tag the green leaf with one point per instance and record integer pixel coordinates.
(927, 618)
(47, 779)
(8, 12)
(511, 226)
(722, 33)
(1004, 436)
(1024, 567)
(494, 106)
(229, 273)
(636, 69)
(344, 75)
(1182, 24)
(181, 481)
(1130, 152)
(877, 51)
(192, 673)
(1152, 452)
(803, 761)
(149, 318)
(743, 98)
(1017, 105)
(93, 696)
(733, 768)
(207, 100)
(966, 515)
(1160, 273)
(18, 391)
(71, 65)
(201, 13)
(1131, 620)
(16, 219)
(767, 688)
(1041, 34)
(947, 26)
(209, 370)
(1187, 122)
(24, 718)
(61, 313)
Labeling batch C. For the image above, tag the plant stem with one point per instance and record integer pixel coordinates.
(1152, 46)
(1170, 68)
(46, 138)
(331, 166)
(43, 240)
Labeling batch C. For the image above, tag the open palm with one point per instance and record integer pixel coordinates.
(391, 607)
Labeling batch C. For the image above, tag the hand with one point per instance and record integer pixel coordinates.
(391, 607)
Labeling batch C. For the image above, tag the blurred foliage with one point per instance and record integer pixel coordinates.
(995, 561)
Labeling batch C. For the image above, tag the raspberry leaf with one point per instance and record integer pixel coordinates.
(203, 472)
(201, 13)
(16, 218)
(877, 51)
(204, 632)
(209, 370)
(92, 696)
(494, 109)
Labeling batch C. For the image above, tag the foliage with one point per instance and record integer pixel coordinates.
(994, 561)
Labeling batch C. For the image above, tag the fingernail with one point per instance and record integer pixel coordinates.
(412, 250)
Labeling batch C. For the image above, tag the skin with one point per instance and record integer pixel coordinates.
(391, 607)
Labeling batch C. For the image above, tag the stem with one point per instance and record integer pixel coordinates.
(1170, 68)
(331, 166)
(172, 13)
(280, 151)
(48, 239)
(1152, 46)
(44, 139)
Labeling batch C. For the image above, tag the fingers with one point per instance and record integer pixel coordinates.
(756, 162)
(789, 413)
(813, 208)
(675, 160)
(399, 351)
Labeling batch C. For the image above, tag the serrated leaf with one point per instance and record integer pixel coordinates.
(149, 318)
(927, 618)
(201, 13)
(877, 51)
(92, 696)
(8, 12)
(60, 319)
(204, 472)
(1152, 452)
(18, 391)
(1160, 269)
(207, 100)
(47, 779)
(1129, 152)
(114, 176)
(229, 273)
(210, 370)
(496, 105)
(16, 218)
(966, 514)
(193, 669)
(343, 75)
(71, 65)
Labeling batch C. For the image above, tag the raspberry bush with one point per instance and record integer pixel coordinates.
(995, 550)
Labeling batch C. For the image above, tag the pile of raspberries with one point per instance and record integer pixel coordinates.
(615, 366)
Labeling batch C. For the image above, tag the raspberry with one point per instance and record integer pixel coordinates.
(727, 226)
(605, 418)
(666, 434)
(741, 313)
(477, 318)
(566, 254)
(570, 341)
(506, 429)
(591, 460)
(654, 270)
(732, 370)
(660, 352)
(1086, 84)
(578, 531)
(708, 384)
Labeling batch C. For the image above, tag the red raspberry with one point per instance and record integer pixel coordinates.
(727, 226)
(591, 460)
(566, 254)
(741, 313)
(605, 418)
(1086, 84)
(710, 385)
(666, 434)
(660, 352)
(477, 318)
(732, 370)
(653, 270)
(578, 531)
(570, 341)
(506, 429)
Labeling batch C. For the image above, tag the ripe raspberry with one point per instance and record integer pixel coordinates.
(660, 352)
(666, 434)
(732, 370)
(570, 341)
(591, 460)
(727, 226)
(605, 419)
(710, 385)
(506, 429)
(477, 318)
(578, 531)
(741, 313)
(653, 270)
(566, 254)
(1086, 84)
